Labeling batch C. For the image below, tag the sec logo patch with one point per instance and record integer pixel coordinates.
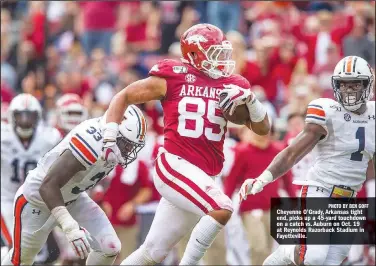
(190, 78)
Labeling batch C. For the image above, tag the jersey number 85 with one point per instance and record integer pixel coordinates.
(195, 119)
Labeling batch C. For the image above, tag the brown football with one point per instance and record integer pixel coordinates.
(240, 116)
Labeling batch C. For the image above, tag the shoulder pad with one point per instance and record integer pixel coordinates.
(239, 80)
(86, 142)
(318, 111)
(168, 68)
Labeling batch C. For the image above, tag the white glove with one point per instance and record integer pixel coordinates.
(253, 186)
(78, 238)
(110, 151)
(235, 96)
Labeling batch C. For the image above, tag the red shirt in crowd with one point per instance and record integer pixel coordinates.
(252, 72)
(250, 161)
(124, 186)
(336, 35)
(36, 34)
(99, 15)
(81, 89)
(6, 93)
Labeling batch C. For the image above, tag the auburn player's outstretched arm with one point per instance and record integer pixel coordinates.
(61, 171)
(286, 159)
(300, 147)
(141, 91)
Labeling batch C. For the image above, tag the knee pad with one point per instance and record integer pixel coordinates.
(154, 252)
(110, 246)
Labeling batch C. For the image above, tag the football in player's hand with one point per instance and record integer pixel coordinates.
(240, 115)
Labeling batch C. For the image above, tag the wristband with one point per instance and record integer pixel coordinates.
(64, 218)
(257, 111)
(110, 131)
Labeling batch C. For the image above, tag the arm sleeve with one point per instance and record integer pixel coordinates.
(85, 148)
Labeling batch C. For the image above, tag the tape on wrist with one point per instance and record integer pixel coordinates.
(63, 217)
(266, 177)
(111, 131)
(257, 111)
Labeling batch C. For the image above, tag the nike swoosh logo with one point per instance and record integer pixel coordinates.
(237, 95)
(199, 242)
(128, 128)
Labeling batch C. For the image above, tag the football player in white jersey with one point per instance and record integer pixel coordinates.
(70, 112)
(342, 133)
(23, 143)
(54, 193)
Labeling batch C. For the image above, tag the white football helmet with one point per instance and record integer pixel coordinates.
(132, 133)
(352, 82)
(24, 114)
(70, 111)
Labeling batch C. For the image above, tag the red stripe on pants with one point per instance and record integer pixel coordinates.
(20, 204)
(179, 189)
(5, 233)
(190, 183)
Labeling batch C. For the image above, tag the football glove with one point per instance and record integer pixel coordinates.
(78, 238)
(235, 96)
(253, 186)
(110, 151)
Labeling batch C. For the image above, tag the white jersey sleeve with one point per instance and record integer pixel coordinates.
(317, 113)
(86, 143)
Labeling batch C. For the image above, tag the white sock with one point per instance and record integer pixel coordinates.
(98, 258)
(201, 239)
(139, 257)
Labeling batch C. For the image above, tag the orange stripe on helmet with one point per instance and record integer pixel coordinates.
(143, 124)
(349, 64)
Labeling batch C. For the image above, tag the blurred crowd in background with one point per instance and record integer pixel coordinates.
(287, 50)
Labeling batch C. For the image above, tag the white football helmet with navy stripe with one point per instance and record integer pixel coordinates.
(132, 131)
(352, 82)
(24, 114)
